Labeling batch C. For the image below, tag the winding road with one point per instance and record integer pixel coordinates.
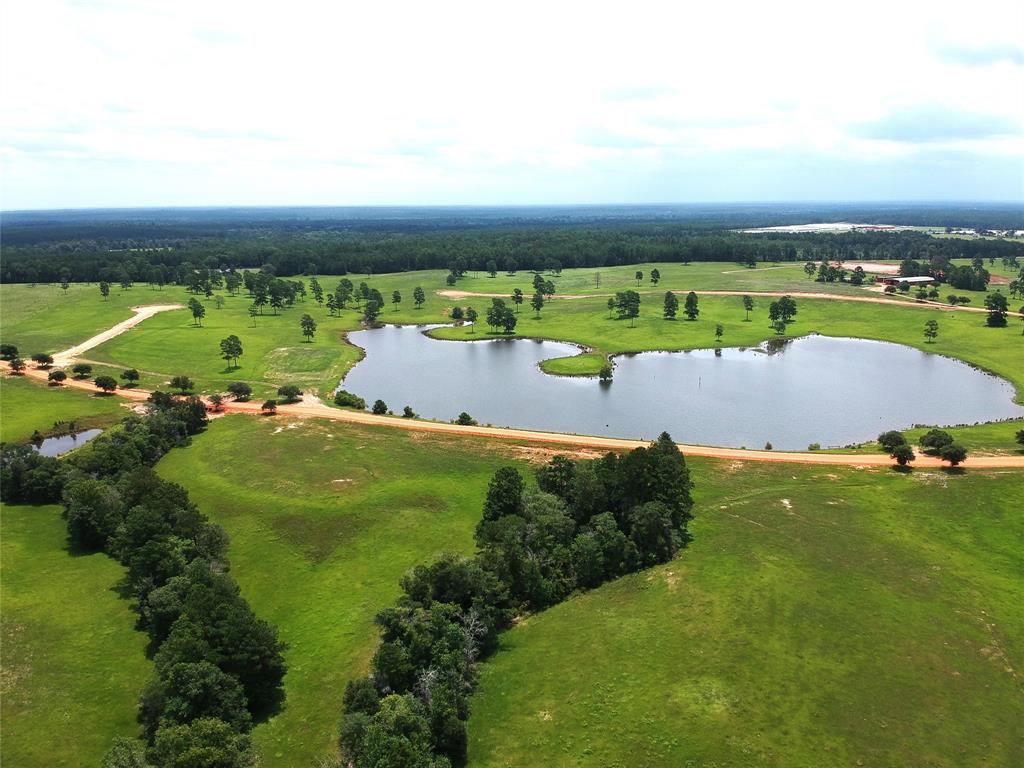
(316, 409)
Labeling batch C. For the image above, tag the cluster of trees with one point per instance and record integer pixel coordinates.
(934, 442)
(585, 523)
(968, 277)
(217, 665)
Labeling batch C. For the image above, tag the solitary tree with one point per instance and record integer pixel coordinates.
(308, 325)
(639, 277)
(465, 420)
(931, 330)
(56, 377)
(492, 268)
(517, 296)
(457, 314)
(8, 351)
(216, 402)
(810, 268)
(997, 307)
(290, 393)
(408, 412)
(605, 374)
(43, 360)
(655, 276)
(379, 407)
(231, 350)
(130, 377)
(690, 307)
(106, 383)
(183, 383)
(903, 454)
(471, 316)
(240, 391)
(418, 296)
(537, 302)
(253, 311)
(719, 330)
(269, 407)
(218, 301)
(17, 365)
(934, 440)
(671, 305)
(890, 440)
(954, 453)
(611, 306)
(104, 289)
(81, 370)
(197, 309)
(317, 290)
(748, 307)
(396, 299)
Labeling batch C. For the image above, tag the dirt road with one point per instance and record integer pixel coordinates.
(452, 294)
(141, 313)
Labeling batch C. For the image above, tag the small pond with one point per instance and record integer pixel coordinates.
(57, 446)
(815, 389)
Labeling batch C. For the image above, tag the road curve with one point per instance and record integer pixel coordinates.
(320, 411)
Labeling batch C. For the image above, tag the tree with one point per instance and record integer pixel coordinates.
(317, 290)
(104, 289)
(216, 402)
(107, 383)
(628, 305)
(471, 316)
(779, 326)
(8, 351)
(130, 377)
(457, 314)
(997, 307)
(43, 360)
(182, 383)
(934, 440)
(202, 743)
(810, 268)
(465, 420)
(125, 753)
(348, 400)
(1020, 437)
(931, 330)
(379, 407)
(370, 311)
(639, 277)
(197, 309)
(56, 377)
(418, 296)
(748, 307)
(240, 391)
(269, 407)
(492, 268)
(517, 297)
(290, 393)
(396, 299)
(308, 326)
(690, 306)
(537, 302)
(218, 301)
(193, 690)
(605, 374)
(954, 453)
(611, 305)
(891, 440)
(17, 365)
(719, 330)
(408, 412)
(253, 310)
(903, 454)
(504, 494)
(81, 370)
(671, 305)
(655, 276)
(231, 350)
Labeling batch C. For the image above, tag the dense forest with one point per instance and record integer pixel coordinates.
(110, 245)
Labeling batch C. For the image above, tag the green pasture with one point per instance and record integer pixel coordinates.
(27, 406)
(73, 666)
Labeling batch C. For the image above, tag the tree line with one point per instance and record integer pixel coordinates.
(585, 522)
(482, 250)
(218, 667)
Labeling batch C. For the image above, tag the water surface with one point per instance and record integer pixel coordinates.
(57, 446)
(815, 389)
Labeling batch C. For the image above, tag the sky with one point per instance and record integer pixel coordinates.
(107, 103)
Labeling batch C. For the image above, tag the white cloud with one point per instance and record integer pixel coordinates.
(122, 103)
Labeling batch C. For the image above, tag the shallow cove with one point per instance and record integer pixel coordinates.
(815, 389)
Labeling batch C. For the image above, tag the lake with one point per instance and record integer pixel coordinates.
(57, 446)
(814, 389)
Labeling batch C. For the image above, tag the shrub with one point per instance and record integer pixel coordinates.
(57, 377)
(290, 393)
(408, 413)
(465, 420)
(379, 407)
(890, 440)
(348, 400)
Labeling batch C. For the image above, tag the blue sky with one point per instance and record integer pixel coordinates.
(132, 103)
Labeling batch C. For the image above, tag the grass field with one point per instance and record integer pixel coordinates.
(28, 406)
(818, 619)
(73, 666)
(324, 519)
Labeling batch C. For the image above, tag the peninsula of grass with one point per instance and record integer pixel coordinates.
(73, 665)
(28, 406)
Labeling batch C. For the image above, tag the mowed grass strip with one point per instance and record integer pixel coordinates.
(818, 619)
(73, 665)
(27, 406)
(324, 519)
